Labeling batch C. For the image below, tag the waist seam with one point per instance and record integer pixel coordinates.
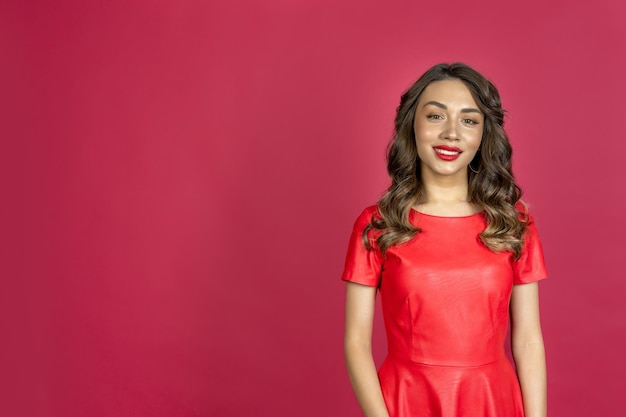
(438, 365)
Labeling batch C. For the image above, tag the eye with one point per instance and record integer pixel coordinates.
(434, 116)
(470, 121)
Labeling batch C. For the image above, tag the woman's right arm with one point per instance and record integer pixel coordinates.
(360, 302)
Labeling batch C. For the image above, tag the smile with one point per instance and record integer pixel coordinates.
(447, 153)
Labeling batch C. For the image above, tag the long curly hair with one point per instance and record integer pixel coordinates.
(492, 187)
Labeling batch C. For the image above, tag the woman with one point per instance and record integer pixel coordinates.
(453, 250)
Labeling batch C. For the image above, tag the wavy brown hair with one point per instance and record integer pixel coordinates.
(492, 188)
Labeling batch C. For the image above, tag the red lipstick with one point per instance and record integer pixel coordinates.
(447, 153)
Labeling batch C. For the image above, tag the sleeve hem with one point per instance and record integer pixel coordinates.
(367, 283)
(530, 280)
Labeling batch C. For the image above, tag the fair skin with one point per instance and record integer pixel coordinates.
(360, 301)
(448, 130)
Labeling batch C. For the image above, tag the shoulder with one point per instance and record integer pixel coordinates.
(522, 209)
(366, 216)
(524, 214)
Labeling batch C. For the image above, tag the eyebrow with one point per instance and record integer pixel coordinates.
(444, 107)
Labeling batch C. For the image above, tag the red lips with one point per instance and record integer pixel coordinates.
(447, 153)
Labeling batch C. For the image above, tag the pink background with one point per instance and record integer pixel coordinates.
(180, 179)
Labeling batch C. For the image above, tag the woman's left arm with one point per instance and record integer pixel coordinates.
(528, 349)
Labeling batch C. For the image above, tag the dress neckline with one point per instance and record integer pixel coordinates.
(479, 213)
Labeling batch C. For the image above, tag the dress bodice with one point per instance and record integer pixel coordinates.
(445, 295)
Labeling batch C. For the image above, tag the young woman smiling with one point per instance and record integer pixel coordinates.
(454, 253)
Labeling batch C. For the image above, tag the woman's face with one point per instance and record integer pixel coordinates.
(448, 129)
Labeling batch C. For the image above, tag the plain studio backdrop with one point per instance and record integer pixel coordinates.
(180, 179)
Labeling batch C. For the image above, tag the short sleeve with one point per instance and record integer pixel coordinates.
(362, 266)
(530, 267)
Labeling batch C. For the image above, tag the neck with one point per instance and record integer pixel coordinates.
(445, 190)
(446, 196)
(434, 194)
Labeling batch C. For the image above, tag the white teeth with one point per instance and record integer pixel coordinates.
(444, 152)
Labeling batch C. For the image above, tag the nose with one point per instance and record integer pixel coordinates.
(450, 132)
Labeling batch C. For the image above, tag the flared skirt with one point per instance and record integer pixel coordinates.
(418, 390)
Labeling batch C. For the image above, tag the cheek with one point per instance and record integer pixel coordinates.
(424, 134)
(421, 151)
(476, 139)
(422, 142)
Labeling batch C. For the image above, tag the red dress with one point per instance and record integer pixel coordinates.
(445, 300)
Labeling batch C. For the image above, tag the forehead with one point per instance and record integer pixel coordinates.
(448, 92)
